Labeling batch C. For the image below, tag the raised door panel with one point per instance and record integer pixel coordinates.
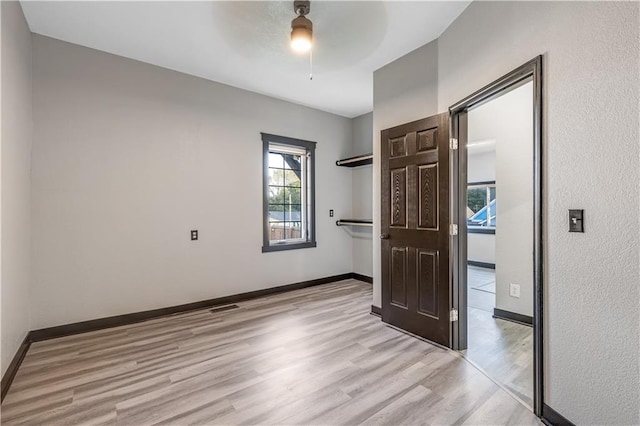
(427, 139)
(398, 147)
(399, 198)
(427, 277)
(399, 259)
(428, 196)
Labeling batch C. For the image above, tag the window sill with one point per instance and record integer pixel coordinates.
(481, 230)
(288, 246)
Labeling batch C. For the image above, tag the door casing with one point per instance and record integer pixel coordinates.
(458, 111)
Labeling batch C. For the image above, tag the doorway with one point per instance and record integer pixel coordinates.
(499, 239)
(496, 259)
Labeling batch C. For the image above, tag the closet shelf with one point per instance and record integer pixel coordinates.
(360, 160)
(354, 222)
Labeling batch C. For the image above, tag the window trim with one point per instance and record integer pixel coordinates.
(487, 229)
(267, 139)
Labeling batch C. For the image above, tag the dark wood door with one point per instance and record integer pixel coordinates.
(415, 228)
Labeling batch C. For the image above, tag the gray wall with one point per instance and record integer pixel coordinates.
(362, 134)
(481, 166)
(129, 157)
(403, 91)
(17, 130)
(362, 208)
(591, 161)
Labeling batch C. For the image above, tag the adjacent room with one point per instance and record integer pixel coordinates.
(500, 222)
(320, 212)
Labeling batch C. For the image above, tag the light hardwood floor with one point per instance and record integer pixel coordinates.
(312, 356)
(503, 349)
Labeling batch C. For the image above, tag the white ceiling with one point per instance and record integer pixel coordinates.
(245, 44)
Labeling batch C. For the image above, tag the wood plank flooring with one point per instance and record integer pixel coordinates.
(503, 349)
(311, 356)
(481, 288)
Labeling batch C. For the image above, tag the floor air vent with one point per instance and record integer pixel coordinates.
(223, 308)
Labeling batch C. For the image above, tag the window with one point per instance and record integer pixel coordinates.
(481, 207)
(289, 189)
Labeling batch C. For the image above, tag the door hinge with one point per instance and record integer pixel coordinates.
(453, 143)
(453, 229)
(453, 315)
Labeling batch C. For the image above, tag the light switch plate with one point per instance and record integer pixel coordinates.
(576, 220)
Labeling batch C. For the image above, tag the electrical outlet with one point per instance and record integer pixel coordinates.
(331, 213)
(514, 290)
(194, 235)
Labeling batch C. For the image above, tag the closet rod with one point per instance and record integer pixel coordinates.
(360, 160)
(354, 222)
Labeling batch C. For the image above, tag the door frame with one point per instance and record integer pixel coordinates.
(458, 123)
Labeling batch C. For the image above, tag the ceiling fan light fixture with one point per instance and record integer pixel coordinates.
(301, 34)
(301, 27)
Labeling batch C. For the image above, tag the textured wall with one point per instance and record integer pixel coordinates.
(17, 130)
(129, 157)
(591, 161)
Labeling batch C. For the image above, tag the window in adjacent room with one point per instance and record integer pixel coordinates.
(481, 207)
(289, 193)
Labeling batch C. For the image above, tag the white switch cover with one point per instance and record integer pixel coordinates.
(514, 290)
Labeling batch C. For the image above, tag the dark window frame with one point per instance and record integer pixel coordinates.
(478, 229)
(310, 146)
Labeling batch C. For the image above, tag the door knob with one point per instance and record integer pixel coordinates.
(384, 236)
